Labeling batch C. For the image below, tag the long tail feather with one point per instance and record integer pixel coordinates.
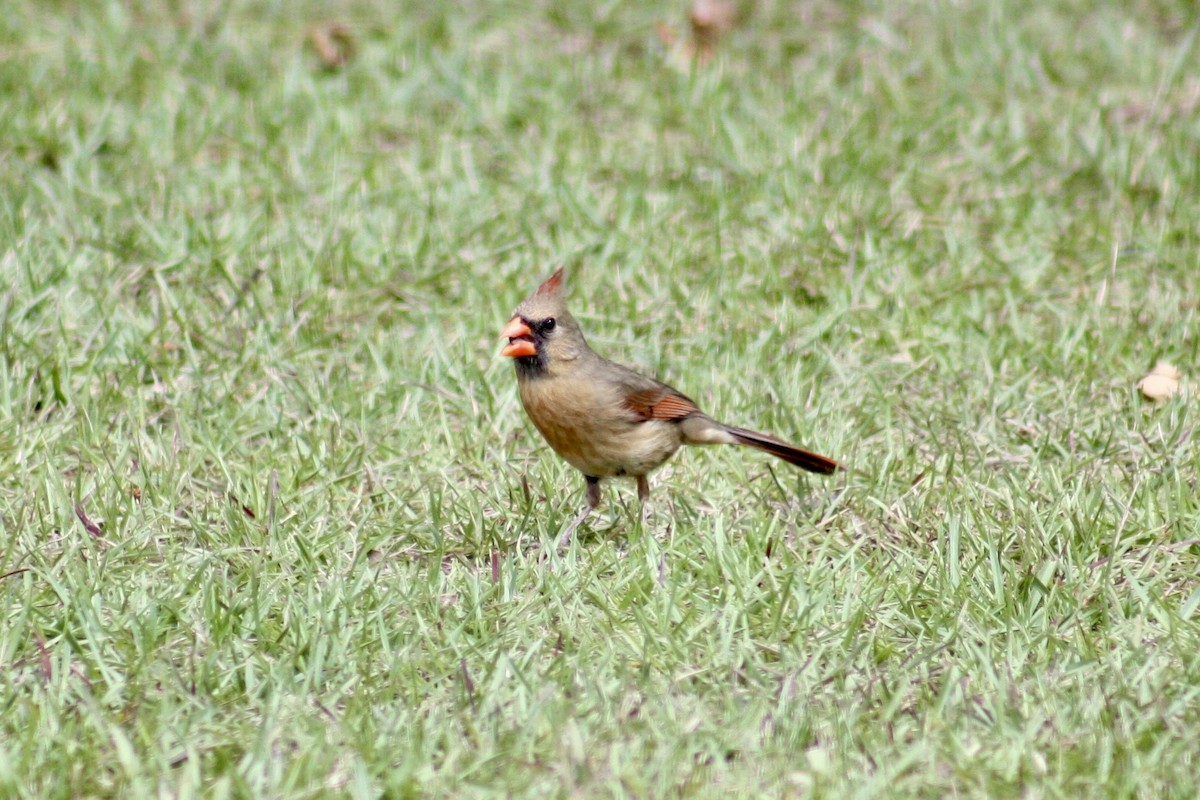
(781, 449)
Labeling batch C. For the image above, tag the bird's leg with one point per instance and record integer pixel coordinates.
(644, 497)
(593, 500)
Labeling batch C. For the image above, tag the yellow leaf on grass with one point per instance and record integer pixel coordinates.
(1161, 383)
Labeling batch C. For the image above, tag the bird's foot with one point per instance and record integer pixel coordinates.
(564, 541)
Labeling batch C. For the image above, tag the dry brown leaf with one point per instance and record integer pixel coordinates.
(1161, 383)
(88, 525)
(333, 43)
(710, 19)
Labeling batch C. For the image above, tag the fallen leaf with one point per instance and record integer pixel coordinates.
(1161, 383)
(249, 512)
(710, 19)
(333, 43)
(88, 525)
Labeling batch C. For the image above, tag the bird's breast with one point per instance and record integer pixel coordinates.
(586, 423)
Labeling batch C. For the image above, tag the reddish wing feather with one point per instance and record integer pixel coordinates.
(658, 404)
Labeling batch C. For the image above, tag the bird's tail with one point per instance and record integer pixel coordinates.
(781, 449)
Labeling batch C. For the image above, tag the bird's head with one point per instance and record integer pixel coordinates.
(542, 331)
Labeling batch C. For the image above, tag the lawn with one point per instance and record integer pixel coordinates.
(273, 522)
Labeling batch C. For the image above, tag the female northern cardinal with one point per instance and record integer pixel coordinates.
(605, 420)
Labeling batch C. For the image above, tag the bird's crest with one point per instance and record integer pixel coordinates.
(552, 287)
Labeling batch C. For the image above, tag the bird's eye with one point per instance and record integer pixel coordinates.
(548, 325)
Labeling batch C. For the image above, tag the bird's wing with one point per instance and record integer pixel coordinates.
(656, 404)
(650, 400)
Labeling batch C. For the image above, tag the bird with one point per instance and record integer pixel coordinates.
(604, 419)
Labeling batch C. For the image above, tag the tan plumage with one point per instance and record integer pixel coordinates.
(604, 419)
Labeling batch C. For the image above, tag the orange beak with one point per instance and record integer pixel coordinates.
(518, 346)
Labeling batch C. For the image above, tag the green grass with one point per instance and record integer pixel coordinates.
(248, 325)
